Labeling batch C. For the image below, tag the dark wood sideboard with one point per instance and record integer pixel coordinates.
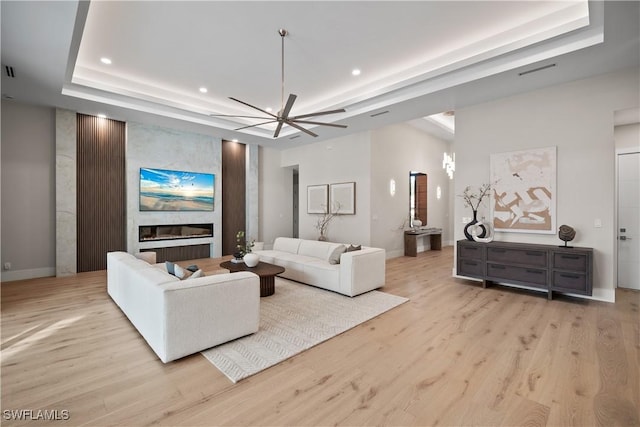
(552, 268)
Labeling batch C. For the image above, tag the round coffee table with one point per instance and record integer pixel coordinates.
(267, 273)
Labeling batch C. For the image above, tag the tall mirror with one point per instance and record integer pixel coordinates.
(418, 198)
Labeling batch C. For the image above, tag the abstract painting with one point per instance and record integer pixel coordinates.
(523, 197)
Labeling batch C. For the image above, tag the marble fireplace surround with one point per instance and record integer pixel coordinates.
(147, 146)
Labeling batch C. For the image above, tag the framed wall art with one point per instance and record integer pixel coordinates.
(523, 197)
(317, 199)
(169, 190)
(343, 198)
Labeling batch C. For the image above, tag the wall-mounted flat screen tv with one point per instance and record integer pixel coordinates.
(168, 190)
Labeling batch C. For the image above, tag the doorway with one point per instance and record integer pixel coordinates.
(629, 219)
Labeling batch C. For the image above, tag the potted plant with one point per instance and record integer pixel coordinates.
(243, 250)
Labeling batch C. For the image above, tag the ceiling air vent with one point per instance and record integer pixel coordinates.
(544, 67)
(295, 136)
(9, 71)
(379, 113)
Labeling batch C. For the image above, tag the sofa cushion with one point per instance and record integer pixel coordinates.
(286, 244)
(320, 250)
(322, 274)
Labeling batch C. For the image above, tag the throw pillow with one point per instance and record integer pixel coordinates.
(193, 268)
(353, 248)
(180, 272)
(196, 274)
(334, 258)
(170, 267)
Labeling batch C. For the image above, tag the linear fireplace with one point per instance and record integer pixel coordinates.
(148, 233)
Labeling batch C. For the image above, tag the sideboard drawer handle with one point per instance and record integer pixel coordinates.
(471, 263)
(534, 253)
(535, 271)
(499, 267)
(569, 276)
(570, 256)
(499, 250)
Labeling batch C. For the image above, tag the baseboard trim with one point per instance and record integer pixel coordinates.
(33, 273)
(394, 254)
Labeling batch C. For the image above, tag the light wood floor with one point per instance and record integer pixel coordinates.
(455, 354)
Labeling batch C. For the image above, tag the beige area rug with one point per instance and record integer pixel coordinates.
(296, 318)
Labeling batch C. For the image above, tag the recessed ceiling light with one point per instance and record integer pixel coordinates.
(105, 60)
(355, 72)
(203, 90)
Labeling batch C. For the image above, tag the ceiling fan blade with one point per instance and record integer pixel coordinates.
(335, 125)
(254, 107)
(235, 115)
(287, 108)
(257, 124)
(292, 124)
(277, 132)
(319, 113)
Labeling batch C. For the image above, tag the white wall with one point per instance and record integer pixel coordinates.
(276, 202)
(155, 147)
(339, 160)
(28, 190)
(576, 117)
(627, 136)
(397, 150)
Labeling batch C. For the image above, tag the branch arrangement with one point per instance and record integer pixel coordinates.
(324, 219)
(473, 199)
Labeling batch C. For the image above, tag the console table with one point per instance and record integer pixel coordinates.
(552, 268)
(411, 240)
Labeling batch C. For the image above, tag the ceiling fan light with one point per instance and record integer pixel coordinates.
(355, 72)
(203, 90)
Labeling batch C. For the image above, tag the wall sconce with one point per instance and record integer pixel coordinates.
(449, 164)
(392, 187)
(438, 192)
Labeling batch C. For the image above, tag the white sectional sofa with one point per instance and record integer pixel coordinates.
(181, 317)
(327, 265)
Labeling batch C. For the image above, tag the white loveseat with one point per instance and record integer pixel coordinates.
(327, 265)
(181, 317)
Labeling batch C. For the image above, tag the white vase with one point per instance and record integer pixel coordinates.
(251, 259)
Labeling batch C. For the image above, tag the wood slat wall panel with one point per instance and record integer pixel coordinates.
(233, 194)
(181, 253)
(101, 189)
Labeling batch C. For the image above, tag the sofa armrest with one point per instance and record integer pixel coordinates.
(362, 271)
(204, 312)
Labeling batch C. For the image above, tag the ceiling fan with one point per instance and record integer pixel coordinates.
(283, 116)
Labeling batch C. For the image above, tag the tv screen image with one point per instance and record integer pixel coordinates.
(168, 190)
